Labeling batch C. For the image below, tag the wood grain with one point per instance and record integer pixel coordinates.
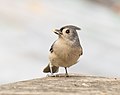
(60, 85)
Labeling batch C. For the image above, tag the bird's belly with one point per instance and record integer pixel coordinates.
(64, 58)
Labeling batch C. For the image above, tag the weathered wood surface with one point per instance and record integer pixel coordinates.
(73, 85)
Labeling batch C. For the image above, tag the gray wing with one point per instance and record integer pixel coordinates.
(51, 49)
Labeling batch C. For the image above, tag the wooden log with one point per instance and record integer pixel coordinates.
(60, 85)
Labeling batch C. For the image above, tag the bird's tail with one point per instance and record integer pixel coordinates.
(54, 69)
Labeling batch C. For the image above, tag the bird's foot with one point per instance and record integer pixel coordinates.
(66, 75)
(51, 75)
(58, 75)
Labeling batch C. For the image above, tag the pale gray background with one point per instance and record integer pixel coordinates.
(26, 36)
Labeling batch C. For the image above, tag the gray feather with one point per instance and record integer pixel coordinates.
(51, 48)
(54, 69)
(70, 26)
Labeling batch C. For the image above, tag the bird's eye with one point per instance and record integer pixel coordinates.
(67, 31)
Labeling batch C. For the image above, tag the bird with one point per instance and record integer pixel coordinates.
(65, 51)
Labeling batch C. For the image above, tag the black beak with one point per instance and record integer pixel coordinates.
(58, 32)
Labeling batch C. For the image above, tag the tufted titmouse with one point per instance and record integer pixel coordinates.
(65, 51)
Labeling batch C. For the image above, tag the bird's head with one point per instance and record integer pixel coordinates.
(67, 32)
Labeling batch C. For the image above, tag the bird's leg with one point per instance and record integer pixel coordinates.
(51, 71)
(66, 74)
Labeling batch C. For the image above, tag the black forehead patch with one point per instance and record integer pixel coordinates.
(62, 29)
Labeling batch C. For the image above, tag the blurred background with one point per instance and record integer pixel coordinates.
(26, 36)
